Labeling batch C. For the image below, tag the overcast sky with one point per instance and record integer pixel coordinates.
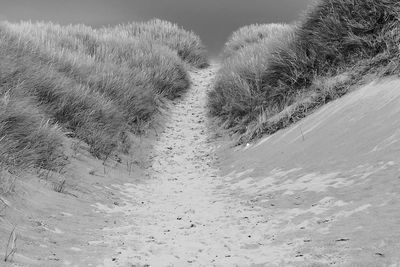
(213, 20)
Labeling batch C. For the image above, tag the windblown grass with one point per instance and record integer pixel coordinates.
(252, 34)
(187, 44)
(331, 42)
(87, 114)
(95, 85)
(27, 138)
(237, 93)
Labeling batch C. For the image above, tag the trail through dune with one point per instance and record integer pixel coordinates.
(285, 201)
(328, 198)
(322, 192)
(183, 215)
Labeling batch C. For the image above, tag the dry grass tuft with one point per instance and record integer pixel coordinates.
(11, 247)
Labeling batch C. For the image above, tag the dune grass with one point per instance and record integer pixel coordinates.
(237, 93)
(97, 85)
(328, 51)
(187, 44)
(87, 114)
(252, 34)
(28, 139)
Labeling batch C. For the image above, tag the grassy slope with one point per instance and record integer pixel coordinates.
(95, 85)
(330, 50)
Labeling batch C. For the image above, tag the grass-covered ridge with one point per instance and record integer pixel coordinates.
(186, 43)
(334, 45)
(97, 85)
(252, 34)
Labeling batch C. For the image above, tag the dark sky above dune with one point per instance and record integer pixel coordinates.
(213, 20)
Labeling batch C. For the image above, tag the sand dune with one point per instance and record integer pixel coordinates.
(323, 191)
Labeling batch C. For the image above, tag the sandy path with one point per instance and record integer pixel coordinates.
(183, 215)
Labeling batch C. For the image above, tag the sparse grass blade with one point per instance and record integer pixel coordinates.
(11, 247)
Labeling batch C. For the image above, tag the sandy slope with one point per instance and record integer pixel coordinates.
(330, 184)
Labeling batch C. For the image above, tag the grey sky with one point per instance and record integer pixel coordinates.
(213, 20)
